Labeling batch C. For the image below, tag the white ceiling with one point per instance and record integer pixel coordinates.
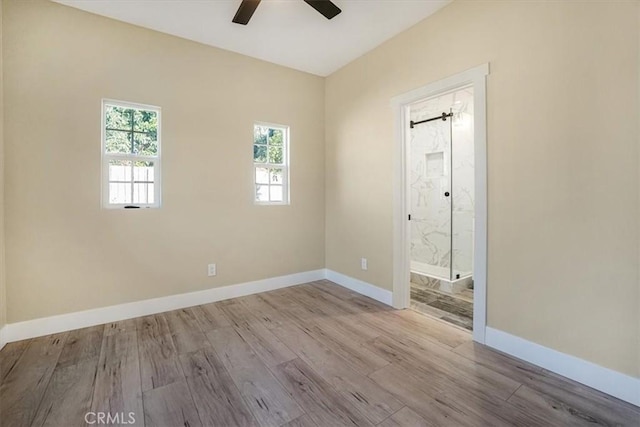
(286, 32)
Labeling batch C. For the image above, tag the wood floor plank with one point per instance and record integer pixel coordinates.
(565, 392)
(10, 355)
(170, 405)
(236, 312)
(159, 364)
(118, 327)
(185, 330)
(363, 360)
(217, 398)
(405, 417)
(265, 344)
(330, 294)
(334, 289)
(324, 405)
(269, 402)
(263, 311)
(359, 303)
(317, 302)
(486, 406)
(80, 345)
(152, 326)
(411, 323)
(290, 308)
(373, 401)
(350, 327)
(435, 404)
(553, 411)
(303, 421)
(68, 396)
(333, 301)
(118, 388)
(22, 389)
(511, 367)
(367, 326)
(445, 367)
(438, 328)
(211, 316)
(580, 399)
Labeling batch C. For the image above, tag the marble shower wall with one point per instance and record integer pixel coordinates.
(442, 160)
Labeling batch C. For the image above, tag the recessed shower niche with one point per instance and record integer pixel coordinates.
(435, 166)
(441, 162)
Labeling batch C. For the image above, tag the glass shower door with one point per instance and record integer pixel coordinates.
(462, 185)
(431, 239)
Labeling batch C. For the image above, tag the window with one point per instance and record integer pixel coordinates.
(271, 164)
(130, 155)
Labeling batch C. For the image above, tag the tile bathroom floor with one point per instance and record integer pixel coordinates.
(456, 308)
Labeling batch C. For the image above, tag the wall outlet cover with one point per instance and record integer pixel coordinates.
(211, 270)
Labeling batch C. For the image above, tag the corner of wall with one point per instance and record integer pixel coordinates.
(638, 179)
(3, 290)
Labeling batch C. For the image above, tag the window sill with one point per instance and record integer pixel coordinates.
(130, 207)
(272, 203)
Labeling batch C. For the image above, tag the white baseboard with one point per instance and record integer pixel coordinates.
(367, 289)
(606, 380)
(82, 319)
(3, 336)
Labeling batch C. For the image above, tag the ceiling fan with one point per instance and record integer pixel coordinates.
(247, 7)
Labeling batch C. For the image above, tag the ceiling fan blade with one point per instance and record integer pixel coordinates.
(245, 11)
(325, 7)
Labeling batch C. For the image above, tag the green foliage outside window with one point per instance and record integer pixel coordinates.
(268, 145)
(131, 131)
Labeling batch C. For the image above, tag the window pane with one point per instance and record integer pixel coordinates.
(259, 135)
(142, 193)
(262, 175)
(143, 172)
(145, 121)
(119, 193)
(118, 117)
(262, 193)
(145, 144)
(260, 153)
(276, 176)
(120, 170)
(275, 192)
(117, 141)
(275, 154)
(275, 136)
(125, 174)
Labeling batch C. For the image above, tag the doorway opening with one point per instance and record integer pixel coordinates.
(441, 205)
(440, 200)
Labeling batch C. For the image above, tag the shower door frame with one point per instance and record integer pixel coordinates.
(476, 78)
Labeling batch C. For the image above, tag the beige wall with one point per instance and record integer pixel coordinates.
(65, 253)
(3, 288)
(562, 164)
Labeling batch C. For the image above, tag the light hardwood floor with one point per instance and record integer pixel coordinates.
(311, 355)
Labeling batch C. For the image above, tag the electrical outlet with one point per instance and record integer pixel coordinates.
(363, 263)
(212, 270)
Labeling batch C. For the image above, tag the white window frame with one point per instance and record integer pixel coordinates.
(286, 135)
(106, 157)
